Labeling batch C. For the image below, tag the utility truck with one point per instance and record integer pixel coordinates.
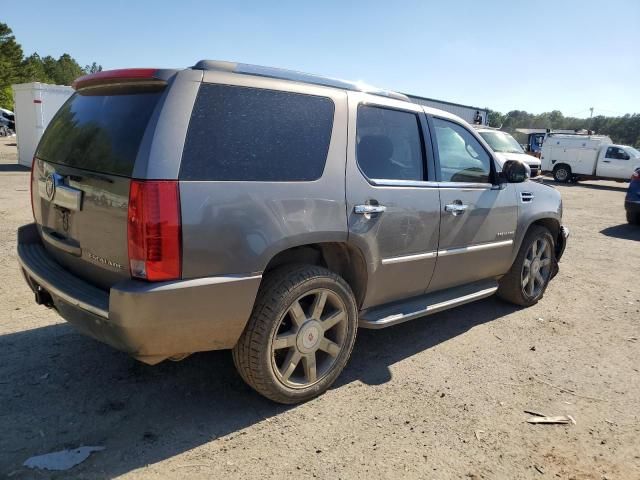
(573, 157)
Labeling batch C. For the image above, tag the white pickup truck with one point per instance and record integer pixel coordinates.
(507, 148)
(580, 157)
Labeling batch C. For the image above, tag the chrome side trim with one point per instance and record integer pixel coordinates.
(466, 186)
(474, 248)
(381, 182)
(409, 258)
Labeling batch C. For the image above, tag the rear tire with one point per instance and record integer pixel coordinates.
(527, 280)
(633, 218)
(300, 334)
(562, 173)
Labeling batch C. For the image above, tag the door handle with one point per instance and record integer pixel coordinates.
(455, 208)
(606, 161)
(368, 209)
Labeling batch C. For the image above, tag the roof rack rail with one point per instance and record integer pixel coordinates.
(579, 132)
(292, 75)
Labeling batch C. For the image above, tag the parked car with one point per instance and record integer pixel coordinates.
(587, 157)
(507, 148)
(632, 200)
(230, 206)
(7, 122)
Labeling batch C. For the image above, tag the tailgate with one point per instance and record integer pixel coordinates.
(81, 178)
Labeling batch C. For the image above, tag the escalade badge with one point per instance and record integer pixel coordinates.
(50, 187)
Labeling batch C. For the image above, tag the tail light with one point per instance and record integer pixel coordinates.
(33, 167)
(636, 176)
(154, 230)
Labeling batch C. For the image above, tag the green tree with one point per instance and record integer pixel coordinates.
(33, 70)
(495, 119)
(93, 68)
(10, 63)
(67, 70)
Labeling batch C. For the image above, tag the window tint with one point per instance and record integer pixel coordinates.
(99, 131)
(462, 158)
(250, 134)
(389, 144)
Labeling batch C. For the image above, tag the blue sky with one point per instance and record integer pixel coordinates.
(535, 56)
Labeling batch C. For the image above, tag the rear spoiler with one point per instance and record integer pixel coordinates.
(118, 77)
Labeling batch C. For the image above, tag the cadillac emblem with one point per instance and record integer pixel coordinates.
(50, 187)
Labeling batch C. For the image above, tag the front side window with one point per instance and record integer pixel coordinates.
(389, 144)
(252, 134)
(616, 153)
(462, 158)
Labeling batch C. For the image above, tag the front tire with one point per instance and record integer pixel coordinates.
(527, 280)
(562, 173)
(633, 218)
(300, 334)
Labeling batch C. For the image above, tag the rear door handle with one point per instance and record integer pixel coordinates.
(368, 209)
(455, 208)
(606, 161)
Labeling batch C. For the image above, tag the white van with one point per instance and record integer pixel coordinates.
(507, 148)
(581, 157)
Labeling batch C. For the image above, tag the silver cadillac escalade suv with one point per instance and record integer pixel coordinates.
(230, 206)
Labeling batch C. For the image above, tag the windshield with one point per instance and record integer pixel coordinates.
(501, 142)
(633, 151)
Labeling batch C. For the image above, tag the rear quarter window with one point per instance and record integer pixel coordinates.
(251, 134)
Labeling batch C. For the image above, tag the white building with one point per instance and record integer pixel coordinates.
(466, 112)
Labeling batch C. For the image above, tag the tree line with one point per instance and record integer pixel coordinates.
(16, 68)
(624, 129)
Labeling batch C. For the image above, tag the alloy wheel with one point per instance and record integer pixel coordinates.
(308, 339)
(536, 268)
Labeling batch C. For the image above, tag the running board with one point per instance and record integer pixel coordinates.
(400, 312)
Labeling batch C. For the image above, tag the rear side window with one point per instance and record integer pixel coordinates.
(251, 134)
(99, 131)
(389, 144)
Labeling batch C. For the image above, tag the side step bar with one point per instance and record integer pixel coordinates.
(400, 312)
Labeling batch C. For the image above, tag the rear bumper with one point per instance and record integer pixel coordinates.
(151, 321)
(632, 206)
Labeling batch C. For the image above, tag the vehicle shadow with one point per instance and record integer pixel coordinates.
(59, 390)
(595, 186)
(13, 167)
(624, 231)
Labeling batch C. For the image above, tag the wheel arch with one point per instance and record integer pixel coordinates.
(551, 223)
(339, 257)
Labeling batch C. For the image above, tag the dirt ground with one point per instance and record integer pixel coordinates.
(440, 397)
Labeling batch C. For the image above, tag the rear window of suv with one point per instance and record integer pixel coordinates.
(251, 134)
(99, 130)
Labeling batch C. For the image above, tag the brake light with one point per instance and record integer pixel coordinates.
(33, 167)
(154, 230)
(636, 176)
(122, 75)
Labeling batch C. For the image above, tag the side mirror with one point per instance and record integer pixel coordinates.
(514, 171)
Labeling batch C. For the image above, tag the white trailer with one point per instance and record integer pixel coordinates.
(575, 157)
(36, 104)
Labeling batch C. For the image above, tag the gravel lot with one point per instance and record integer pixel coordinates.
(440, 397)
